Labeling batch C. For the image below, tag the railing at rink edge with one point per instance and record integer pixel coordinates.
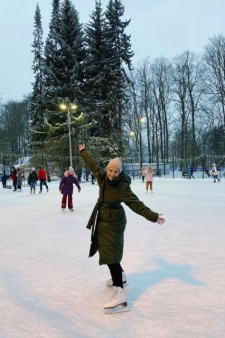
(187, 173)
(172, 166)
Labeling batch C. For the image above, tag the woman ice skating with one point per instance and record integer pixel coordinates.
(19, 180)
(214, 173)
(108, 221)
(66, 188)
(149, 172)
(32, 180)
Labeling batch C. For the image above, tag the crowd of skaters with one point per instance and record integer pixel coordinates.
(41, 175)
(17, 179)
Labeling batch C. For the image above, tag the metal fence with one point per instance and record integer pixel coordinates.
(197, 173)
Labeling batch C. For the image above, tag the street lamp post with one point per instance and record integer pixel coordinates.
(68, 108)
(141, 120)
(132, 133)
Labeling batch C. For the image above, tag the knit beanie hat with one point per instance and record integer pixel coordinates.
(115, 163)
(71, 169)
(33, 169)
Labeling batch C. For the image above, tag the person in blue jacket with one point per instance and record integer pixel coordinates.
(4, 179)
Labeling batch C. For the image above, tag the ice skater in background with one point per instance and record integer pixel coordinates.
(108, 221)
(192, 171)
(92, 178)
(32, 180)
(66, 188)
(143, 174)
(214, 173)
(42, 176)
(19, 180)
(4, 179)
(149, 172)
(14, 178)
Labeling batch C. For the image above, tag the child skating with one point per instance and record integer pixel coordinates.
(149, 172)
(66, 188)
(108, 222)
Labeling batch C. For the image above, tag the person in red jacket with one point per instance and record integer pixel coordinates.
(14, 178)
(42, 177)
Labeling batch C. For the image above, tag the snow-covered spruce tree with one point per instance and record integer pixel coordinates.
(72, 53)
(119, 55)
(36, 106)
(64, 54)
(95, 70)
(52, 55)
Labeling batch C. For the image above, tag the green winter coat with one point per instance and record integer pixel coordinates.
(108, 219)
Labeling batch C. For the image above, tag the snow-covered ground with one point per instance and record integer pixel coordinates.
(49, 288)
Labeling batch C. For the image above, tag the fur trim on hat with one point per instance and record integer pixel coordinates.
(115, 163)
(66, 173)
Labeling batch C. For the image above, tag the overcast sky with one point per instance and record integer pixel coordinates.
(157, 28)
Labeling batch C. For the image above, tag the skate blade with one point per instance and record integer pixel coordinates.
(124, 284)
(117, 309)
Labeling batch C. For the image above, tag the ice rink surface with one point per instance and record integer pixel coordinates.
(49, 288)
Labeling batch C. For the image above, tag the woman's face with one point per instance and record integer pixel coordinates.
(112, 173)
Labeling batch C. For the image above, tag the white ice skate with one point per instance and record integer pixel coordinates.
(118, 302)
(124, 279)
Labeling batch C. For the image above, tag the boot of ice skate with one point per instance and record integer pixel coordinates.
(118, 298)
(124, 279)
(31, 191)
(34, 192)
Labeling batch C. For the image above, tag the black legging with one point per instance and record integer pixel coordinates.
(116, 273)
(43, 182)
(15, 185)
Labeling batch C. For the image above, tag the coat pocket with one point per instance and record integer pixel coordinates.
(115, 215)
(104, 215)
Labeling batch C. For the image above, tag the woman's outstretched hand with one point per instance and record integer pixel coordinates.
(160, 220)
(81, 147)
